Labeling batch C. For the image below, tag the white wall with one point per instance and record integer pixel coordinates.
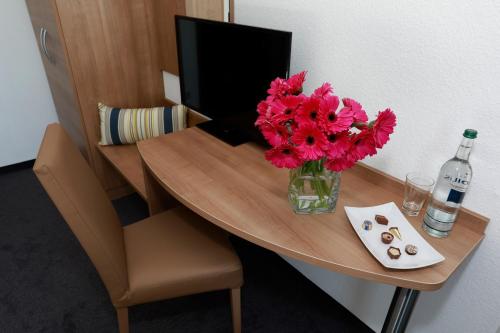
(437, 64)
(26, 105)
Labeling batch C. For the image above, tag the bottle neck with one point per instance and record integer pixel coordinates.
(464, 149)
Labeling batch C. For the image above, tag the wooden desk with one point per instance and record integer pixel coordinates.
(236, 189)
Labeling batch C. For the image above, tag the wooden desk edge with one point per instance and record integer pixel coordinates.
(156, 207)
(477, 226)
(480, 221)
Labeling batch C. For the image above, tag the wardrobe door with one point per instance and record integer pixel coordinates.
(207, 9)
(113, 51)
(52, 49)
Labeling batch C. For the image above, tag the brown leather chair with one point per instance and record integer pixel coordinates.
(171, 254)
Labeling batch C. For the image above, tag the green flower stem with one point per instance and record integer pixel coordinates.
(319, 185)
(313, 179)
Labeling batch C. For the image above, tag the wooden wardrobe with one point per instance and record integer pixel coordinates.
(109, 51)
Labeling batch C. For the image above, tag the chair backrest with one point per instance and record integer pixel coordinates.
(81, 200)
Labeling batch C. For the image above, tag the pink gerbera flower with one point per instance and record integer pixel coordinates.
(308, 112)
(340, 164)
(362, 144)
(337, 145)
(264, 110)
(263, 107)
(276, 135)
(325, 90)
(309, 140)
(295, 83)
(279, 88)
(358, 113)
(284, 109)
(284, 156)
(332, 121)
(302, 128)
(383, 127)
(260, 120)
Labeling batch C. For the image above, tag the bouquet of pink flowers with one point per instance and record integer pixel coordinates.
(304, 128)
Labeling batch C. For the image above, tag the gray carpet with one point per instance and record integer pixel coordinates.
(47, 283)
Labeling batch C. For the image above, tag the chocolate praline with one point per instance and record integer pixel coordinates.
(386, 237)
(394, 252)
(411, 249)
(381, 219)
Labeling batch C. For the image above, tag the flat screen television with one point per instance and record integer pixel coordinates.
(225, 70)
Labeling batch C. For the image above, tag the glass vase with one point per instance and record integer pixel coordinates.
(313, 189)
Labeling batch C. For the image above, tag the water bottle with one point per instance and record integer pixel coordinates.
(454, 179)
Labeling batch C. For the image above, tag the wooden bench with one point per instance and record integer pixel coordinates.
(127, 161)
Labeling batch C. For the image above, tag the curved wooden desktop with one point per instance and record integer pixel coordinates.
(236, 189)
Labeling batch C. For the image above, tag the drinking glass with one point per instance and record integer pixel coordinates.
(417, 188)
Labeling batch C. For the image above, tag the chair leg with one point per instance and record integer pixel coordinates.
(122, 314)
(236, 309)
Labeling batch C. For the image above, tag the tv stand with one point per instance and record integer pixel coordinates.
(231, 136)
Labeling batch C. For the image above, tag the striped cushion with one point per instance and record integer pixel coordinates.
(127, 126)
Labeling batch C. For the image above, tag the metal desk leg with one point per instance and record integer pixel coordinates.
(400, 310)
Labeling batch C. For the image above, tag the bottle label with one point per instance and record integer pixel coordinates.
(455, 196)
(457, 182)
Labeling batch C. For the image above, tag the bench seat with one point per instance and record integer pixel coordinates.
(127, 160)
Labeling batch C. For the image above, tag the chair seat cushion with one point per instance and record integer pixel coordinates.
(178, 253)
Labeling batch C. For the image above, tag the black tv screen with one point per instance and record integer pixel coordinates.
(225, 68)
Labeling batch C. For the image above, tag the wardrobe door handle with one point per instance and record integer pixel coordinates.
(43, 42)
(40, 38)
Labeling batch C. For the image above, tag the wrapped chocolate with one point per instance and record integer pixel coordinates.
(395, 232)
(367, 225)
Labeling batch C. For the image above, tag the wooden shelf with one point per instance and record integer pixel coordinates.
(127, 161)
(236, 189)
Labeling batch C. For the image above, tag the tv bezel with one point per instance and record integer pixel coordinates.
(220, 23)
